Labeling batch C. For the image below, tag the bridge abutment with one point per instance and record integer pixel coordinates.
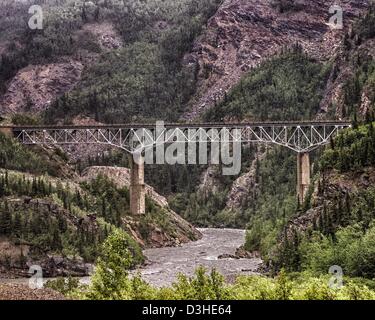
(137, 185)
(303, 175)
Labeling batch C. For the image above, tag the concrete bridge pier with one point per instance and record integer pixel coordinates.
(137, 185)
(303, 175)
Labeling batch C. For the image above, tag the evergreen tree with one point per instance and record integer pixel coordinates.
(56, 243)
(17, 225)
(5, 220)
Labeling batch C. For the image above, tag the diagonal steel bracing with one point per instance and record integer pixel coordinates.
(300, 137)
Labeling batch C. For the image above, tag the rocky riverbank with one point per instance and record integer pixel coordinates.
(23, 292)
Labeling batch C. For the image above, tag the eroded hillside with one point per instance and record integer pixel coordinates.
(243, 33)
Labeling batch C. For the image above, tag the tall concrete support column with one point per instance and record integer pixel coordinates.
(303, 175)
(137, 185)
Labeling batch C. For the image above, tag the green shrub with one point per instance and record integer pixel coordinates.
(63, 285)
(352, 249)
(118, 254)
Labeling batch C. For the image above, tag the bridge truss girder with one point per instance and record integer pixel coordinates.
(299, 138)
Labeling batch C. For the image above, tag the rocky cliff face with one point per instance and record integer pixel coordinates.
(343, 71)
(245, 187)
(244, 32)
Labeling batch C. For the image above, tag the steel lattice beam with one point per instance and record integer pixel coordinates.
(300, 137)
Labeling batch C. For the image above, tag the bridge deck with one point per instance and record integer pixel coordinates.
(181, 125)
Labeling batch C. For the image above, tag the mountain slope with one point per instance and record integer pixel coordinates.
(336, 227)
(244, 33)
(59, 222)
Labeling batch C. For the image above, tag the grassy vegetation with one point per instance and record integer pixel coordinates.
(352, 150)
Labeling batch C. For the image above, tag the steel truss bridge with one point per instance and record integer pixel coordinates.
(301, 136)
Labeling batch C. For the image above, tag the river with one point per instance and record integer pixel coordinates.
(164, 264)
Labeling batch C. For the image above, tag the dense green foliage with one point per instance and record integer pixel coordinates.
(289, 86)
(203, 286)
(51, 223)
(340, 214)
(112, 281)
(27, 46)
(352, 248)
(46, 224)
(352, 150)
(15, 156)
(63, 285)
(362, 81)
(147, 80)
(342, 232)
(359, 59)
(275, 202)
(144, 80)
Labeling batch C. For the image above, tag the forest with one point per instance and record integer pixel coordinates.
(49, 216)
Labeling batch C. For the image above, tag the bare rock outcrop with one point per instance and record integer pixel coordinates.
(35, 87)
(106, 35)
(245, 32)
(209, 181)
(342, 72)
